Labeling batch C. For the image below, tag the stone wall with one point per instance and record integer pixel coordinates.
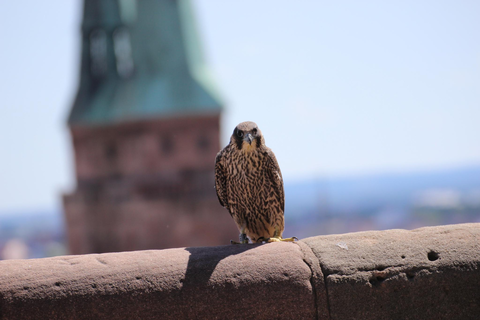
(428, 273)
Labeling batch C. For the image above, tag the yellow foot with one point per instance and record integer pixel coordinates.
(280, 239)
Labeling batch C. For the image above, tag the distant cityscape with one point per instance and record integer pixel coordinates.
(313, 207)
(31, 234)
(382, 201)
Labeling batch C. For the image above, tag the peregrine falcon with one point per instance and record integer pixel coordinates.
(249, 185)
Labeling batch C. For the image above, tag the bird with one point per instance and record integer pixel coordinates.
(249, 184)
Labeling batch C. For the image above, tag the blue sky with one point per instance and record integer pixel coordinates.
(338, 88)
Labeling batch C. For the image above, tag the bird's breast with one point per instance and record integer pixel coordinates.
(248, 169)
(245, 170)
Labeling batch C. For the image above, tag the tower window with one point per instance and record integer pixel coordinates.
(166, 145)
(111, 151)
(123, 53)
(203, 143)
(98, 53)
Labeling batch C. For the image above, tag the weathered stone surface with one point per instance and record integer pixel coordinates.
(428, 273)
(228, 282)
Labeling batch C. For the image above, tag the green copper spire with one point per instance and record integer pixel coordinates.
(140, 60)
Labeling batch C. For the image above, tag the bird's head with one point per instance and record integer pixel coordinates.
(247, 136)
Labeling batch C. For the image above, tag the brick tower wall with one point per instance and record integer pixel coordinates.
(146, 185)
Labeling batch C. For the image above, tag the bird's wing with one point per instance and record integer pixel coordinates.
(276, 176)
(220, 180)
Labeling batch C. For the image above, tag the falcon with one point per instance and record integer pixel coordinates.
(249, 185)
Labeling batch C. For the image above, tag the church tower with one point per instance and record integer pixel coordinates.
(145, 132)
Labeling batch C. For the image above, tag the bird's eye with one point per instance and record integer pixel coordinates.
(254, 131)
(240, 133)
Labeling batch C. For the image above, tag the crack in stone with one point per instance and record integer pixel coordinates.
(312, 279)
(326, 289)
(314, 290)
(1, 305)
(101, 261)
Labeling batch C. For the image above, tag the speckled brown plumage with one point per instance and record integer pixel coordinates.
(249, 184)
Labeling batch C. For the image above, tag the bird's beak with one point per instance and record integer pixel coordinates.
(248, 138)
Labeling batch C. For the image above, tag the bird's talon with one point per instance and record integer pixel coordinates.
(261, 240)
(280, 239)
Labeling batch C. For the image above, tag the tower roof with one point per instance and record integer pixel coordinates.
(140, 59)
